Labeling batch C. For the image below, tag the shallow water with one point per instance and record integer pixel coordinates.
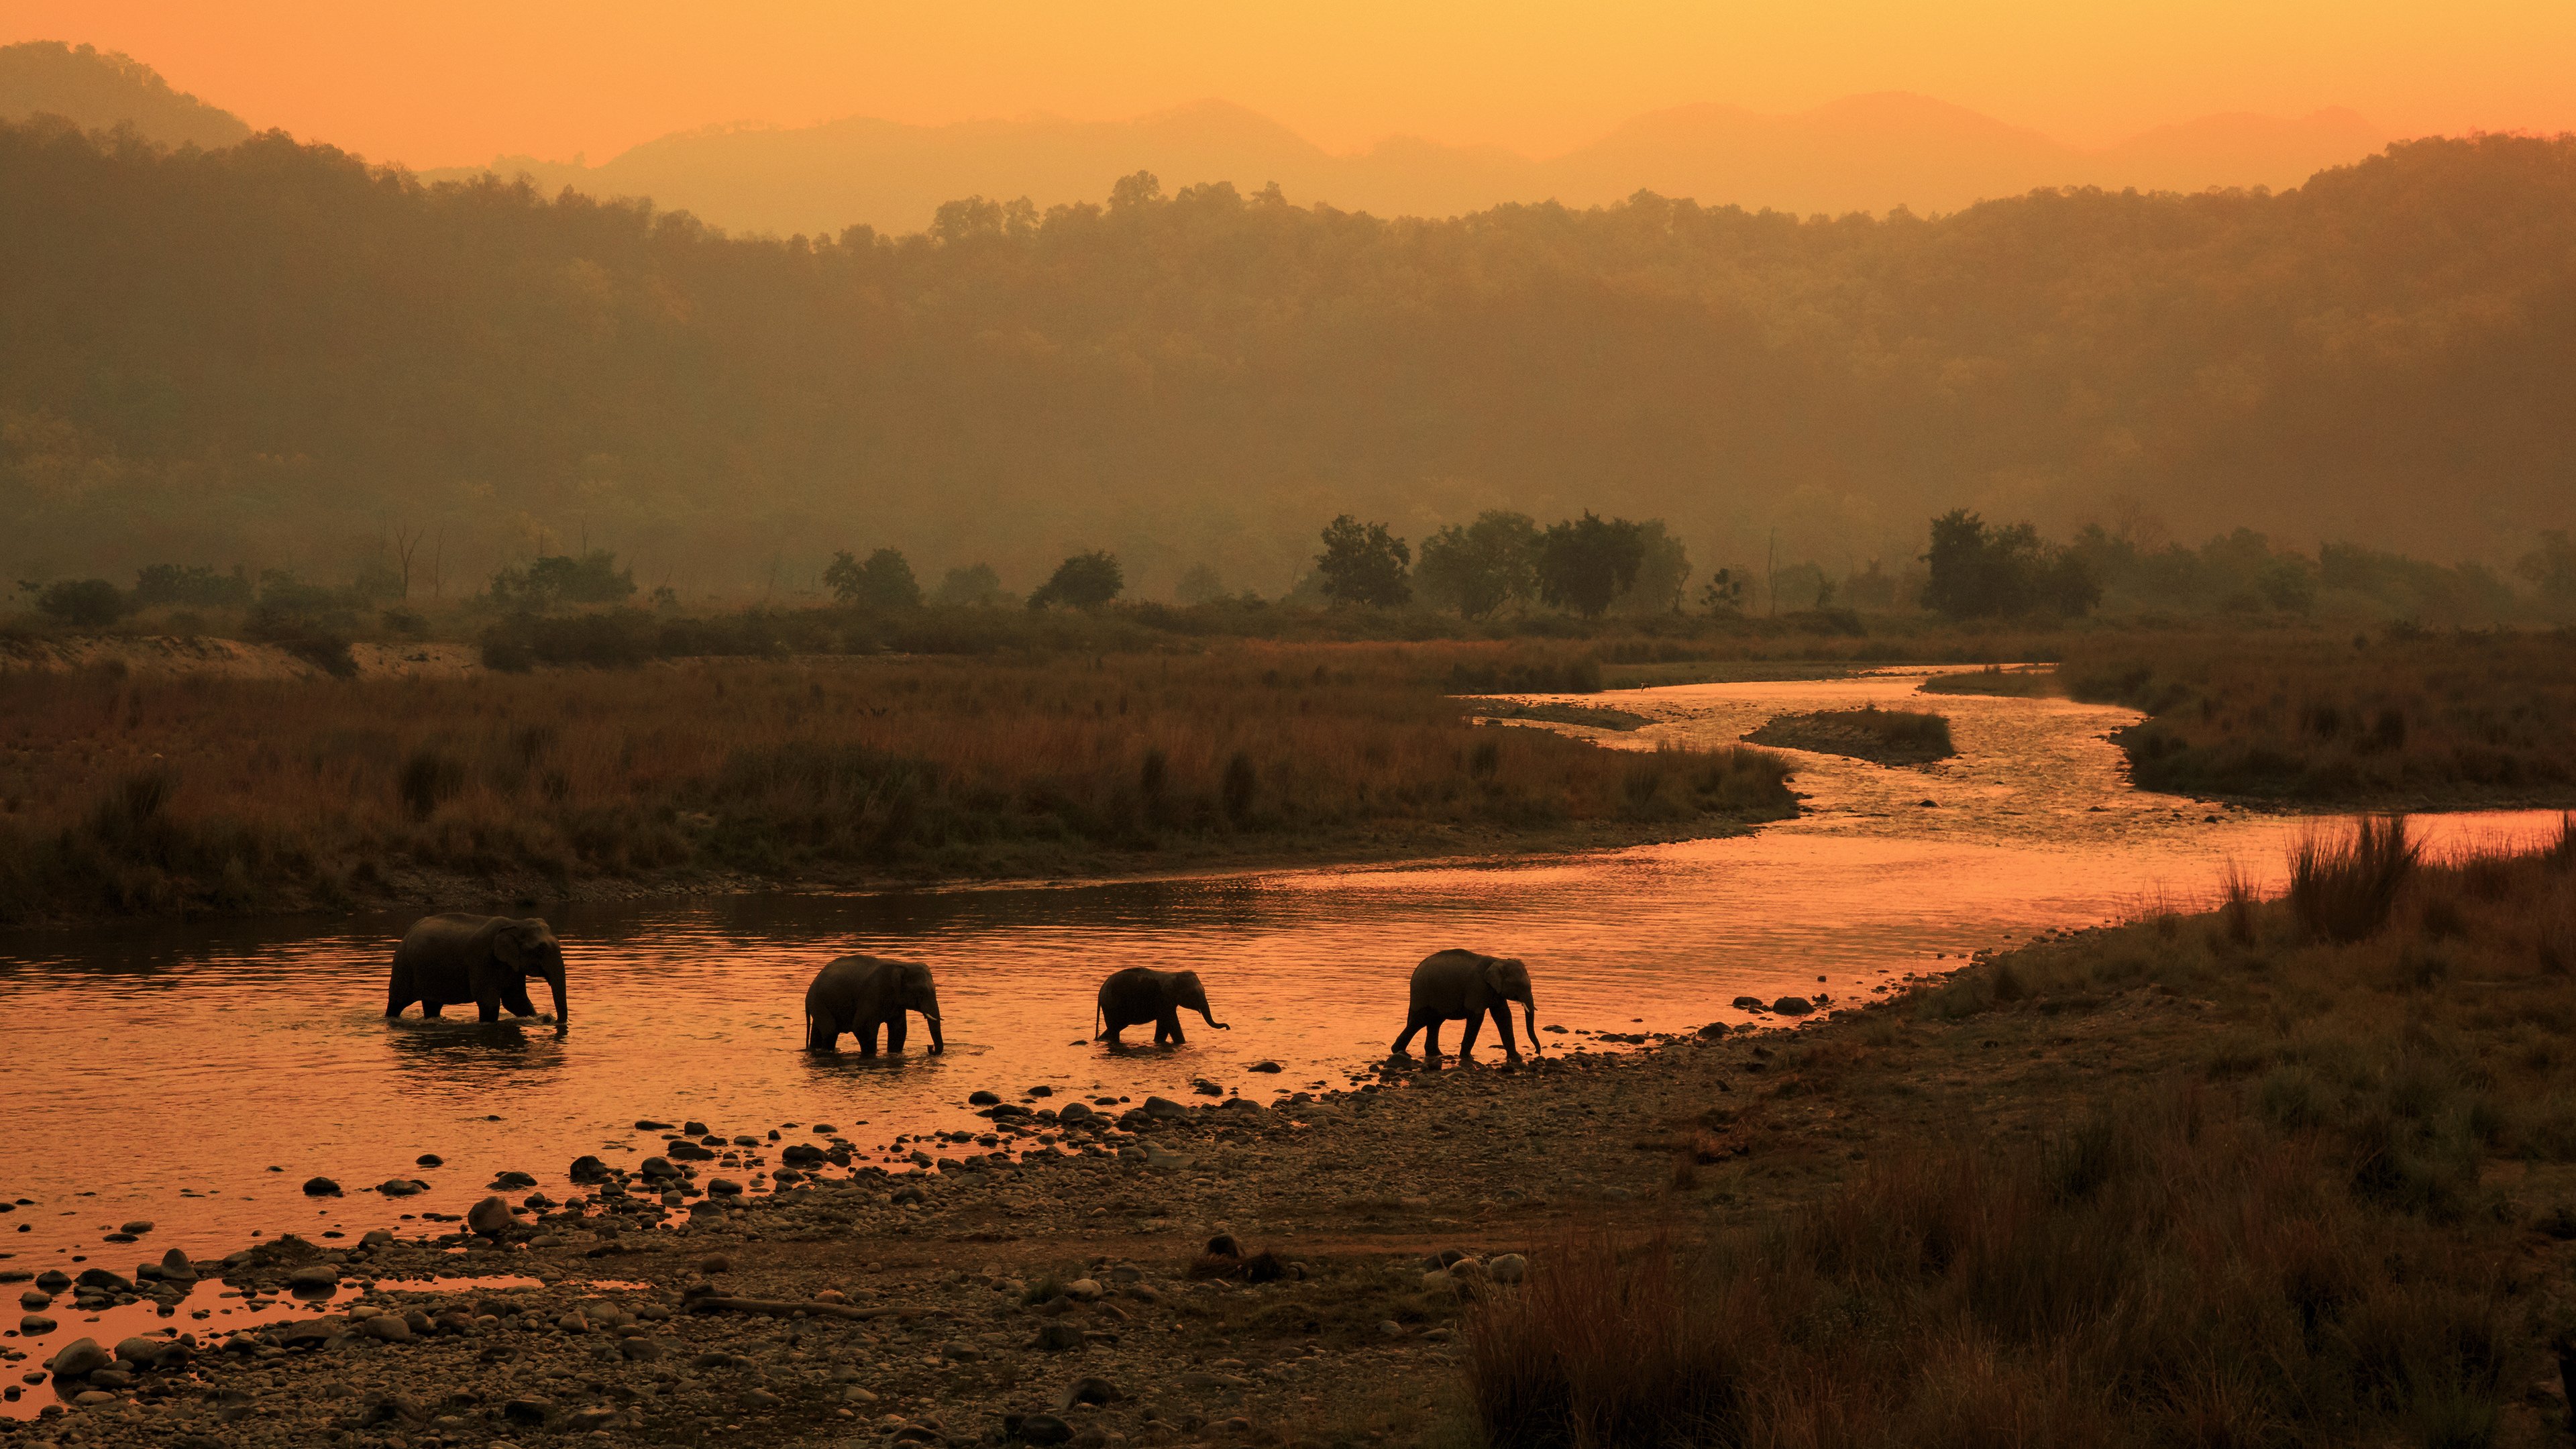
(196, 1076)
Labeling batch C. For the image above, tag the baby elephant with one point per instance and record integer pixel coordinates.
(1141, 994)
(1455, 985)
(858, 994)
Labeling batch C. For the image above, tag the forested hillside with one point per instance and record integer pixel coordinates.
(272, 354)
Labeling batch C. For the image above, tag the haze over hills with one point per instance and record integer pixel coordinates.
(1864, 153)
(101, 89)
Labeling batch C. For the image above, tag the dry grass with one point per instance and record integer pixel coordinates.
(2298, 1234)
(1887, 736)
(1997, 680)
(135, 794)
(2465, 717)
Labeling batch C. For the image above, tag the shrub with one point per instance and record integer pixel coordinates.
(2345, 892)
(82, 603)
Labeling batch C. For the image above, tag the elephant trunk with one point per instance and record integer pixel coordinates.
(929, 1009)
(555, 983)
(1529, 1021)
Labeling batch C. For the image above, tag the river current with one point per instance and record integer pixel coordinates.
(195, 1076)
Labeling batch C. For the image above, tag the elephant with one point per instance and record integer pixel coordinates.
(1141, 994)
(856, 993)
(1455, 985)
(488, 960)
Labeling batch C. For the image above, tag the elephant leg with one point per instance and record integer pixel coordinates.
(866, 1032)
(518, 1003)
(487, 1008)
(1412, 1025)
(399, 995)
(1111, 1026)
(1467, 1034)
(1431, 1040)
(1503, 1029)
(430, 1008)
(1167, 1027)
(896, 1030)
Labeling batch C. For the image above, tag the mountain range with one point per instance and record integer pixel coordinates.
(1868, 153)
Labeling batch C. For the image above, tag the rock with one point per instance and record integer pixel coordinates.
(78, 1358)
(490, 1217)
(1793, 1006)
(639, 1350)
(1089, 1390)
(377, 1238)
(1055, 1307)
(35, 1298)
(1072, 1112)
(102, 1278)
(175, 1264)
(694, 1129)
(138, 1227)
(1236, 1425)
(1056, 1338)
(658, 1167)
(761, 1399)
(1206, 1088)
(1037, 1428)
(1164, 1108)
(573, 1323)
(1268, 1067)
(402, 1187)
(983, 1099)
(512, 1181)
(146, 1352)
(92, 1398)
(527, 1410)
(314, 1278)
(1748, 1003)
(36, 1325)
(321, 1187)
(724, 1187)
(1083, 1290)
(587, 1168)
(690, 1152)
(385, 1328)
(53, 1280)
(1439, 1281)
(1389, 1328)
(1509, 1268)
(429, 1159)
(715, 1265)
(1126, 1273)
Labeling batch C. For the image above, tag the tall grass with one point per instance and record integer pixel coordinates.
(162, 794)
(2344, 890)
(2291, 1236)
(2464, 717)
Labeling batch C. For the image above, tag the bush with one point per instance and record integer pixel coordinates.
(82, 603)
(2344, 893)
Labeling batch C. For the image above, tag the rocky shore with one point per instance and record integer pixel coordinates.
(1050, 1280)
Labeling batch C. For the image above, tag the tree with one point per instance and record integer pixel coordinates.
(1481, 567)
(82, 603)
(1663, 568)
(1200, 586)
(2551, 568)
(195, 585)
(1084, 581)
(884, 582)
(973, 584)
(1983, 572)
(1585, 563)
(1364, 564)
(1723, 594)
(593, 578)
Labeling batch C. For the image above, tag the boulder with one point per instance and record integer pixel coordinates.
(1509, 1268)
(983, 1099)
(321, 1187)
(1089, 1390)
(102, 1278)
(1747, 1003)
(175, 1265)
(35, 1325)
(78, 1358)
(314, 1278)
(386, 1328)
(1036, 1428)
(587, 1168)
(1793, 1006)
(1165, 1109)
(1072, 1112)
(402, 1187)
(490, 1217)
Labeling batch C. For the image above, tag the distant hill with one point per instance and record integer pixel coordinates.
(100, 89)
(1864, 153)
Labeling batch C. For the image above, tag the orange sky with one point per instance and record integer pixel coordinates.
(456, 83)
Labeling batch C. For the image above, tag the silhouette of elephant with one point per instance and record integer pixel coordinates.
(1141, 994)
(488, 960)
(858, 993)
(1462, 985)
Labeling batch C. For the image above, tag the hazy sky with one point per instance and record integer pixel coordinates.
(456, 82)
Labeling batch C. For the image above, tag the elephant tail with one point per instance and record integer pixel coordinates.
(1099, 1021)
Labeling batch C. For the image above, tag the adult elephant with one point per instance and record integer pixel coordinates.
(487, 960)
(857, 993)
(1141, 994)
(1462, 985)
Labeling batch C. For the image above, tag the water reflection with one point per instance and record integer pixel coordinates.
(148, 1059)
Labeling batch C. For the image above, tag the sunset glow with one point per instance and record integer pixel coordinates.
(459, 84)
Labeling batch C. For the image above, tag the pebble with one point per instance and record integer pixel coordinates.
(314, 1276)
(983, 1099)
(138, 1227)
(429, 1159)
(321, 1187)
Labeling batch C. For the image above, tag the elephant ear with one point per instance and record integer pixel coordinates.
(510, 944)
(1495, 976)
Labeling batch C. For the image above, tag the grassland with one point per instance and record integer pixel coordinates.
(1883, 736)
(2404, 720)
(186, 794)
(2289, 1171)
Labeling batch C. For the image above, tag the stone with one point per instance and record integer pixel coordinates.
(321, 1187)
(1509, 1268)
(724, 1187)
(490, 1217)
(1747, 1003)
(1266, 1067)
(138, 1227)
(35, 1325)
(1072, 1112)
(53, 1280)
(761, 1399)
(587, 1168)
(639, 1350)
(377, 1238)
(694, 1129)
(429, 1159)
(1036, 1428)
(92, 1398)
(1055, 1307)
(573, 1323)
(314, 1277)
(512, 1181)
(35, 1298)
(983, 1099)
(78, 1358)
(175, 1264)
(1438, 1280)
(529, 1410)
(402, 1187)
(102, 1278)
(1793, 1006)
(1083, 1290)
(1056, 1338)
(658, 1167)
(1164, 1108)
(1089, 1390)
(386, 1328)
(715, 1265)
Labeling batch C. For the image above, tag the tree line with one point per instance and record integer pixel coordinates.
(271, 348)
